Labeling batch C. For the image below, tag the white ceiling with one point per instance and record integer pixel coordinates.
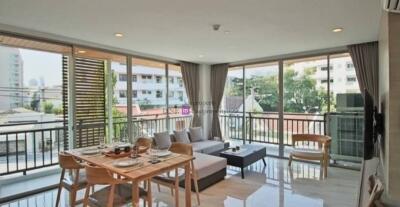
(181, 29)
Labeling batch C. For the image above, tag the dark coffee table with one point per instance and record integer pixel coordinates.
(247, 155)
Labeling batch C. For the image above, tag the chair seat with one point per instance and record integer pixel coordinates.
(170, 179)
(122, 195)
(304, 152)
(69, 180)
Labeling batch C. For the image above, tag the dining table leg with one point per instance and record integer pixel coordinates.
(188, 187)
(135, 193)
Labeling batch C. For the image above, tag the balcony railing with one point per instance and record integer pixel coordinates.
(30, 146)
(346, 129)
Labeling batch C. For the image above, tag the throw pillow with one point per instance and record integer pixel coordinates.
(182, 136)
(196, 134)
(163, 140)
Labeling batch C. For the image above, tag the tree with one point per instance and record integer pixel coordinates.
(48, 107)
(300, 91)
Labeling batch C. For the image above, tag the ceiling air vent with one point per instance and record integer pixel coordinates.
(392, 5)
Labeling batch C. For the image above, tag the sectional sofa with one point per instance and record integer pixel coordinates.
(210, 168)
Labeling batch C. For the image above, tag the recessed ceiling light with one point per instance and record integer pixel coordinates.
(118, 34)
(227, 31)
(337, 29)
(201, 56)
(81, 51)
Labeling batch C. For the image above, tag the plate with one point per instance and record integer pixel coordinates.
(126, 163)
(163, 153)
(90, 152)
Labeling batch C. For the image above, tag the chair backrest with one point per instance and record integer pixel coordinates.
(68, 162)
(181, 148)
(322, 140)
(143, 142)
(99, 176)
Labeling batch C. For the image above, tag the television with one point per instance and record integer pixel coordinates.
(369, 129)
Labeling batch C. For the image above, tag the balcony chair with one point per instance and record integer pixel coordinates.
(74, 181)
(117, 193)
(320, 153)
(173, 181)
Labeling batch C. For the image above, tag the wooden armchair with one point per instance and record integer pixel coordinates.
(320, 151)
(117, 193)
(75, 179)
(173, 181)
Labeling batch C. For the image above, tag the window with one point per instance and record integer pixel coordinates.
(349, 65)
(171, 80)
(144, 92)
(159, 94)
(171, 94)
(134, 78)
(122, 77)
(326, 81)
(325, 68)
(180, 81)
(158, 79)
(180, 95)
(351, 79)
(146, 77)
(134, 93)
(122, 93)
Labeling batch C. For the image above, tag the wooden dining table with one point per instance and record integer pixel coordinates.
(142, 172)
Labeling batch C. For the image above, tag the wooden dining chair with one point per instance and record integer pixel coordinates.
(311, 147)
(173, 181)
(117, 193)
(143, 143)
(74, 181)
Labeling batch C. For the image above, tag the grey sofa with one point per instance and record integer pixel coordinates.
(210, 168)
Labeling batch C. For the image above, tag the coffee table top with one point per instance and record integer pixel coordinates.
(245, 150)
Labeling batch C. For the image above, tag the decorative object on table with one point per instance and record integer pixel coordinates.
(135, 152)
(237, 148)
(117, 152)
(153, 155)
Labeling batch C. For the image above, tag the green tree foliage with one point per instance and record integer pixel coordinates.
(48, 107)
(300, 91)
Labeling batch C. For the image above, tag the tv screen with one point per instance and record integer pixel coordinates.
(368, 125)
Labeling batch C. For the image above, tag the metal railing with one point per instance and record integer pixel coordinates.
(35, 145)
(346, 129)
(264, 127)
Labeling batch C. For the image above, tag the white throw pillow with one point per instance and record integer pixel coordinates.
(163, 140)
(196, 134)
(182, 136)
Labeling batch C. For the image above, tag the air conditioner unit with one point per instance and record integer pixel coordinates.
(391, 5)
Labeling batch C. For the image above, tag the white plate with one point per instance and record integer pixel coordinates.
(163, 153)
(90, 152)
(126, 163)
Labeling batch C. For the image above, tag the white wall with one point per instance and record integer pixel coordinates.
(205, 98)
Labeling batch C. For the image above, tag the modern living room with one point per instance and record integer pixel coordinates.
(199, 103)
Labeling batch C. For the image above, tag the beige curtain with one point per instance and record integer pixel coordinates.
(366, 63)
(218, 78)
(190, 75)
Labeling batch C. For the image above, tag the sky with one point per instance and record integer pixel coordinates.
(38, 64)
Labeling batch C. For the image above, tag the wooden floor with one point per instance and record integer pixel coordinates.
(273, 185)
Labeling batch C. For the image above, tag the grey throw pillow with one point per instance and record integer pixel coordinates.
(182, 136)
(163, 140)
(196, 134)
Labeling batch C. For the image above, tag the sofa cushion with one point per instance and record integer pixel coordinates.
(206, 165)
(208, 146)
(181, 136)
(162, 140)
(196, 134)
(304, 152)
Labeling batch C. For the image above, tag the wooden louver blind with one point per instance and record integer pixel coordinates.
(89, 101)
(65, 98)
